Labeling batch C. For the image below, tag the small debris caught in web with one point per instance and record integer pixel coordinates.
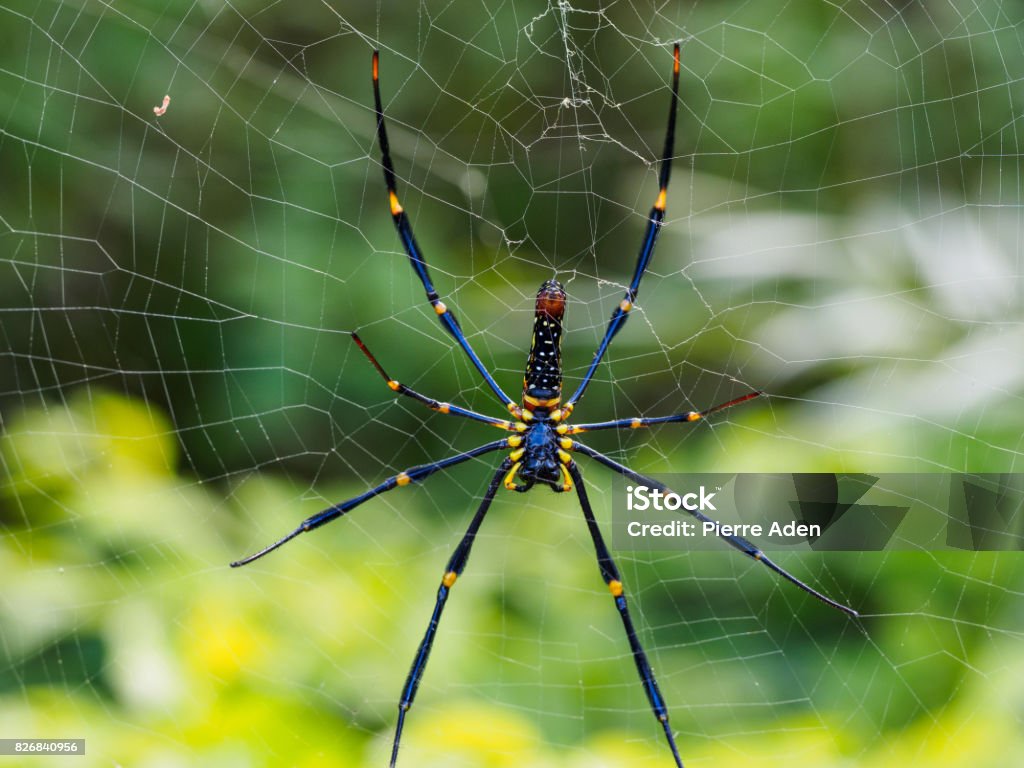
(159, 111)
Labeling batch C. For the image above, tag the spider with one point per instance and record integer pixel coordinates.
(540, 445)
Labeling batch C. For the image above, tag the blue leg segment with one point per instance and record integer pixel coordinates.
(456, 565)
(610, 574)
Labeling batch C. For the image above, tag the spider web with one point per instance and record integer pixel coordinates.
(179, 387)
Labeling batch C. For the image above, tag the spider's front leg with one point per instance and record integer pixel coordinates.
(610, 574)
(456, 564)
(395, 481)
(738, 542)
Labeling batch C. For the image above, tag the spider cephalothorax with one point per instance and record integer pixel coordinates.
(540, 445)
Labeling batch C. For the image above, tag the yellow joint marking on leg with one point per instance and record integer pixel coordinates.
(556, 415)
(615, 587)
(526, 415)
(566, 443)
(694, 416)
(567, 410)
(625, 305)
(567, 485)
(440, 308)
(515, 441)
(394, 385)
(444, 407)
(659, 204)
(517, 454)
(564, 457)
(402, 479)
(636, 424)
(520, 426)
(510, 481)
(449, 578)
(396, 207)
(561, 428)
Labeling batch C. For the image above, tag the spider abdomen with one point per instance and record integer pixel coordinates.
(542, 382)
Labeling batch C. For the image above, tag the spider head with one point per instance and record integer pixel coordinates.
(540, 462)
(542, 469)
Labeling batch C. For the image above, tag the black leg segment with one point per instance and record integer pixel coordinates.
(455, 567)
(610, 574)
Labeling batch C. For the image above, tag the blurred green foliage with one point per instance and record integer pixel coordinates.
(179, 388)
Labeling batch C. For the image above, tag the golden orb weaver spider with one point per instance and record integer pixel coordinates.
(540, 446)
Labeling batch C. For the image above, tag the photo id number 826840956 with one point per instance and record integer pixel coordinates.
(42, 746)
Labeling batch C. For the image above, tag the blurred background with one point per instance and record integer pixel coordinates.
(178, 387)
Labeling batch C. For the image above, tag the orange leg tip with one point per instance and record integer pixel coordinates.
(376, 65)
(675, 62)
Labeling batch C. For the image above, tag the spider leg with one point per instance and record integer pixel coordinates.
(637, 423)
(431, 402)
(654, 222)
(454, 569)
(419, 264)
(738, 542)
(401, 479)
(610, 574)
